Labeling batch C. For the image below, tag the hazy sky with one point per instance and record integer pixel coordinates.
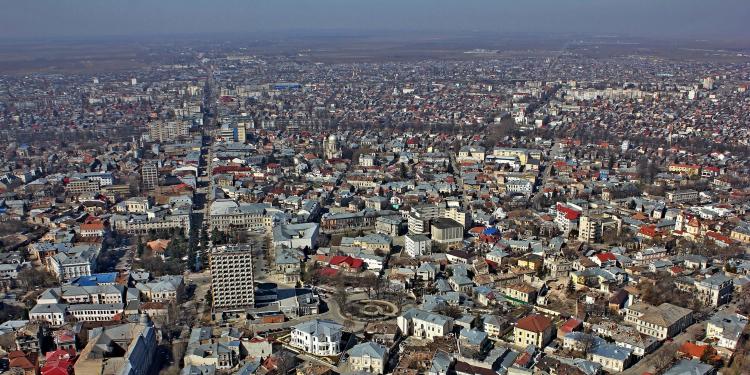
(666, 18)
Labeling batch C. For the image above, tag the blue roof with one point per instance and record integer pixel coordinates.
(491, 231)
(95, 279)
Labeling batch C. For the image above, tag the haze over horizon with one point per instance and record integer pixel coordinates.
(699, 19)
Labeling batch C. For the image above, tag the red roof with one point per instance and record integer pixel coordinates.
(92, 226)
(719, 237)
(693, 350)
(569, 212)
(534, 323)
(571, 325)
(338, 260)
(606, 257)
(648, 230)
(230, 169)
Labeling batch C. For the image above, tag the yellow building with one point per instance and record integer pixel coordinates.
(686, 169)
(533, 330)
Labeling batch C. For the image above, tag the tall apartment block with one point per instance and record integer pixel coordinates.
(232, 277)
(150, 176)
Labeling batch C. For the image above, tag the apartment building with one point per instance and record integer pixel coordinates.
(416, 245)
(715, 290)
(82, 186)
(232, 277)
(592, 226)
(149, 176)
(420, 217)
(163, 131)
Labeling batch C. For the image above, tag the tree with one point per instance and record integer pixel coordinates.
(340, 297)
(451, 311)
(209, 298)
(571, 288)
(140, 248)
(218, 237)
(31, 279)
(666, 356)
(541, 271)
(587, 342)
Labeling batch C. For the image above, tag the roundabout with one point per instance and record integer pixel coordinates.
(371, 310)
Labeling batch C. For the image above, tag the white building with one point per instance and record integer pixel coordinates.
(73, 262)
(96, 312)
(715, 290)
(368, 357)
(727, 328)
(52, 313)
(318, 337)
(424, 324)
(417, 245)
(296, 236)
(662, 322)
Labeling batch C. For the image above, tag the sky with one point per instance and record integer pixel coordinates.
(701, 19)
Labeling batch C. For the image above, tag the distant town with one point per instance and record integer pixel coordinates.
(546, 213)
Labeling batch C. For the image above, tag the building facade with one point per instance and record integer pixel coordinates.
(232, 284)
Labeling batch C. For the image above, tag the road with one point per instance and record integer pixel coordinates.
(333, 313)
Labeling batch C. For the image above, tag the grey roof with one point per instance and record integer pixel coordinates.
(441, 362)
(285, 257)
(732, 324)
(198, 370)
(49, 308)
(425, 316)
(12, 325)
(690, 367)
(286, 232)
(231, 207)
(418, 237)
(368, 348)
(473, 336)
(319, 327)
(611, 351)
(715, 280)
